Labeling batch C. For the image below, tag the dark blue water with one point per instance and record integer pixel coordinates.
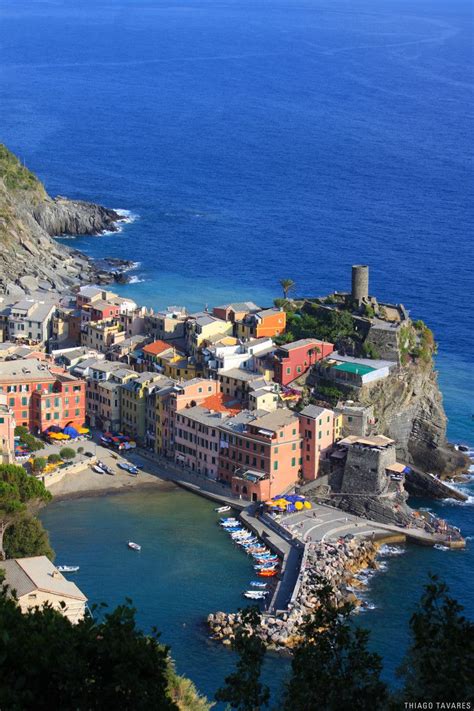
(256, 140)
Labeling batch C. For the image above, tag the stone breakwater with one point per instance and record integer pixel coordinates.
(336, 562)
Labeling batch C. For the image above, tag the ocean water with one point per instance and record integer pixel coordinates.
(253, 140)
(187, 568)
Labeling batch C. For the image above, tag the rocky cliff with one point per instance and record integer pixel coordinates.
(29, 256)
(408, 407)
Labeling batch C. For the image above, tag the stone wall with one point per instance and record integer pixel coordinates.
(364, 471)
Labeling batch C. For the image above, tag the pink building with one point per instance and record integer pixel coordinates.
(178, 397)
(7, 432)
(196, 439)
(320, 427)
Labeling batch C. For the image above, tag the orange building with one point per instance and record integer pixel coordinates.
(40, 397)
(266, 323)
(260, 456)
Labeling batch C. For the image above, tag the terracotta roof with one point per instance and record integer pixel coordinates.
(156, 347)
(222, 403)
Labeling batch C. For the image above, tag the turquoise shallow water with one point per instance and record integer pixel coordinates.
(187, 568)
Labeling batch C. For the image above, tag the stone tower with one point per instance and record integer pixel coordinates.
(360, 283)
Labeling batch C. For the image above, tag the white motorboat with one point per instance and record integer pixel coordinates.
(258, 584)
(223, 509)
(98, 469)
(68, 568)
(256, 594)
(134, 546)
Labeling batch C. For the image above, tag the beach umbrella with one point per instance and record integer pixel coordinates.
(307, 505)
(298, 505)
(71, 431)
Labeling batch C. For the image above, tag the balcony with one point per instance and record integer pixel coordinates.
(251, 475)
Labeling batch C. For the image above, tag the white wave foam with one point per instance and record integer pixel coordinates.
(135, 280)
(128, 215)
(386, 551)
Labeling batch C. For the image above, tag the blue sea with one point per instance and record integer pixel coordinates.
(252, 140)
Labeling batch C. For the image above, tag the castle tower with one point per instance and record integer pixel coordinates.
(360, 283)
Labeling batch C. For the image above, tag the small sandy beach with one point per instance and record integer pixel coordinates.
(88, 483)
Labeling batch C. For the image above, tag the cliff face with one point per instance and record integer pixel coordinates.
(408, 407)
(29, 218)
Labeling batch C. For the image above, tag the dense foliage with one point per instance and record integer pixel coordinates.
(440, 661)
(333, 668)
(67, 453)
(15, 175)
(33, 443)
(17, 490)
(48, 662)
(243, 689)
(25, 537)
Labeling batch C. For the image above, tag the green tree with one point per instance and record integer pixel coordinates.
(332, 668)
(94, 664)
(287, 286)
(27, 537)
(243, 689)
(54, 458)
(439, 663)
(20, 430)
(17, 489)
(67, 453)
(38, 464)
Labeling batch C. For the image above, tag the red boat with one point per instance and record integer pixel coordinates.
(267, 573)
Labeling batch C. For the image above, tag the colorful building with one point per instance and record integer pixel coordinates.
(174, 399)
(197, 439)
(236, 311)
(40, 396)
(294, 359)
(133, 398)
(260, 453)
(7, 432)
(265, 323)
(320, 428)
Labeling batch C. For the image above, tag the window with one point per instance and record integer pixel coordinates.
(319, 434)
(48, 415)
(2, 420)
(76, 412)
(275, 466)
(288, 371)
(24, 414)
(56, 402)
(66, 413)
(293, 446)
(293, 461)
(24, 401)
(294, 431)
(56, 415)
(11, 402)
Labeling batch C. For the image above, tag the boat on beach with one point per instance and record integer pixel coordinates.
(98, 469)
(68, 568)
(134, 546)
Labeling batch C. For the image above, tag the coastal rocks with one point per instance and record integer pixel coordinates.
(408, 407)
(336, 563)
(74, 217)
(30, 259)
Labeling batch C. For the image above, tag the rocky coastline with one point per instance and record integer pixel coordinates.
(31, 260)
(337, 562)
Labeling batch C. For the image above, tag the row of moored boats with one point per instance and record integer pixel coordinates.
(266, 563)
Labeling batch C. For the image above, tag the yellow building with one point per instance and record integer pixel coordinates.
(101, 335)
(133, 404)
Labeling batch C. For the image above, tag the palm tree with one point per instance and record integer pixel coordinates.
(287, 285)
